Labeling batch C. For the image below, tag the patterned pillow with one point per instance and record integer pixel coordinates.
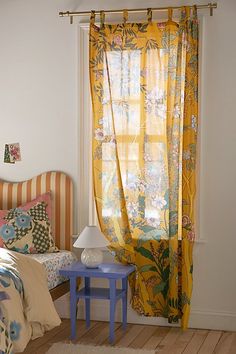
(27, 229)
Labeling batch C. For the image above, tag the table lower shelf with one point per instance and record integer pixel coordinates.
(98, 293)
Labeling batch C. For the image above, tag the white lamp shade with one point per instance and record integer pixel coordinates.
(91, 237)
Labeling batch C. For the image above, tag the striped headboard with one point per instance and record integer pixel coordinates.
(14, 194)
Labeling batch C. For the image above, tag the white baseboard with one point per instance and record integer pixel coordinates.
(202, 319)
(218, 320)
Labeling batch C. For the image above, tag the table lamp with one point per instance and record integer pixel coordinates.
(91, 239)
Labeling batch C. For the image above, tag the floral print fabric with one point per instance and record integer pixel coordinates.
(11, 288)
(27, 229)
(26, 306)
(5, 341)
(144, 87)
(6, 345)
(53, 262)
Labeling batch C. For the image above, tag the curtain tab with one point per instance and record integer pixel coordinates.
(183, 14)
(149, 15)
(195, 12)
(102, 19)
(92, 17)
(187, 10)
(170, 12)
(125, 16)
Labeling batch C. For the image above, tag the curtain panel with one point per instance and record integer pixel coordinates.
(144, 88)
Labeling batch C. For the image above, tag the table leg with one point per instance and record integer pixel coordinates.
(112, 309)
(124, 303)
(87, 301)
(73, 306)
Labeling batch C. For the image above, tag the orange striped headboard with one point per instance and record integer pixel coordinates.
(61, 186)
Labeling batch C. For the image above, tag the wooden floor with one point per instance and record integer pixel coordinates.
(164, 339)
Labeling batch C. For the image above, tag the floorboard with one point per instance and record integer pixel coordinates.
(210, 342)
(195, 342)
(156, 338)
(225, 343)
(166, 340)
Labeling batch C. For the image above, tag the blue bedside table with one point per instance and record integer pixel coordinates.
(110, 271)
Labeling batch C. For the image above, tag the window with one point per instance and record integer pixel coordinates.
(131, 149)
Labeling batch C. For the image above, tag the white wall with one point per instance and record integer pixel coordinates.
(39, 108)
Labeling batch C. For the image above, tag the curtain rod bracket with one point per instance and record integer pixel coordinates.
(211, 9)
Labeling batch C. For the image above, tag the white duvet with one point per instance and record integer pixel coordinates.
(27, 309)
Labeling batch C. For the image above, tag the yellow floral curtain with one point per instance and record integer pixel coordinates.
(144, 87)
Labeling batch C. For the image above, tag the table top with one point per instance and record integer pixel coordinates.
(105, 270)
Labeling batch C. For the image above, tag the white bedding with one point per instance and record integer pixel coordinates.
(27, 310)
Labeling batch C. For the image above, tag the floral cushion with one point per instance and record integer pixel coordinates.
(27, 229)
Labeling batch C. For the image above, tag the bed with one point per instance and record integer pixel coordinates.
(14, 194)
(61, 187)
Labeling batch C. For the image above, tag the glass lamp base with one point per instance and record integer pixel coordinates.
(91, 257)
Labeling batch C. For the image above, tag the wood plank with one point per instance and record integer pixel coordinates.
(81, 330)
(129, 336)
(139, 341)
(62, 336)
(225, 343)
(210, 342)
(156, 337)
(167, 340)
(89, 335)
(171, 337)
(36, 343)
(196, 342)
(176, 344)
(183, 340)
(103, 335)
(233, 345)
(60, 290)
(119, 333)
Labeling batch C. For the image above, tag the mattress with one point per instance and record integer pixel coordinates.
(53, 262)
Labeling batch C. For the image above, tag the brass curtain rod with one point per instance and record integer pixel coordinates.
(209, 6)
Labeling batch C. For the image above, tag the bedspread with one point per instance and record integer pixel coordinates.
(27, 309)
